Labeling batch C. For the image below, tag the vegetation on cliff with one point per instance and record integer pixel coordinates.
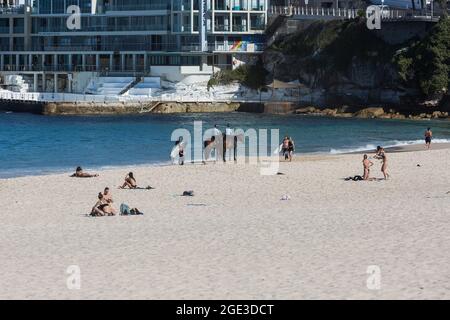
(426, 63)
(251, 76)
(332, 45)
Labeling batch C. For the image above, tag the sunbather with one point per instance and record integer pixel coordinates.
(80, 174)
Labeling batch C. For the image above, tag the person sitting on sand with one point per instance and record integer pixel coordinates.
(102, 207)
(80, 174)
(107, 195)
(366, 164)
(428, 136)
(129, 182)
(384, 166)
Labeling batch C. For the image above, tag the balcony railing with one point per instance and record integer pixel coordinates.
(20, 9)
(138, 7)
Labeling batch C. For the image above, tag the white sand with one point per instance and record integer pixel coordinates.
(235, 238)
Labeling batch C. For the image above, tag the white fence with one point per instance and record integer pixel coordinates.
(169, 97)
(311, 11)
(78, 98)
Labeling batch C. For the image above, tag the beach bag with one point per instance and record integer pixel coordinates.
(125, 210)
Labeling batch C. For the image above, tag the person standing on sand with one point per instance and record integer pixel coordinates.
(379, 153)
(366, 164)
(285, 147)
(291, 148)
(384, 166)
(428, 136)
(181, 154)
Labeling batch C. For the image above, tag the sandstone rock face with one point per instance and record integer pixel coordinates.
(369, 113)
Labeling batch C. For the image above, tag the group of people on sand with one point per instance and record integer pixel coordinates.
(104, 204)
(104, 207)
(367, 164)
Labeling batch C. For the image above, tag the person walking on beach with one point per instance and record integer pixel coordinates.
(129, 182)
(366, 164)
(428, 136)
(384, 166)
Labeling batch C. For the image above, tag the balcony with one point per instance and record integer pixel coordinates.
(20, 9)
(138, 7)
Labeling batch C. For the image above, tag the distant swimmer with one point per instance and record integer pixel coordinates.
(80, 174)
(428, 137)
(366, 165)
(129, 182)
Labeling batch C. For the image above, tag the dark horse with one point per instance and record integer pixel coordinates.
(222, 143)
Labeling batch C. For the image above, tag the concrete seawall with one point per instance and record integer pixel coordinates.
(108, 108)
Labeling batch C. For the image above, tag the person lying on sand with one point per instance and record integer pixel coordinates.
(130, 182)
(80, 174)
(102, 207)
(366, 164)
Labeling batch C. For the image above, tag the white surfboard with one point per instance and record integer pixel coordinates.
(176, 149)
(278, 150)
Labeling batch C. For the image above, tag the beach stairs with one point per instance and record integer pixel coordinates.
(109, 85)
(16, 83)
(131, 85)
(146, 86)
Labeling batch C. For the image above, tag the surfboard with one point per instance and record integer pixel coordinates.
(176, 149)
(278, 150)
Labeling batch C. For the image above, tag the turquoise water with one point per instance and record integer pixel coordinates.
(32, 144)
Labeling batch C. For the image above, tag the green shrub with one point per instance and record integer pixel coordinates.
(251, 76)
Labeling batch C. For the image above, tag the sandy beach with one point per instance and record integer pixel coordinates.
(235, 239)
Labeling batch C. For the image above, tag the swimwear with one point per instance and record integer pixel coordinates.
(428, 139)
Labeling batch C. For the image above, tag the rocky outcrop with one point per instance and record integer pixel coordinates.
(345, 63)
(370, 113)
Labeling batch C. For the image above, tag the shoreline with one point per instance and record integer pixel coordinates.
(308, 156)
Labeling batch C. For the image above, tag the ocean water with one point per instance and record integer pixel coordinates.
(33, 144)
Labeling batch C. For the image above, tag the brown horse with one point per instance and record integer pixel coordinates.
(222, 143)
